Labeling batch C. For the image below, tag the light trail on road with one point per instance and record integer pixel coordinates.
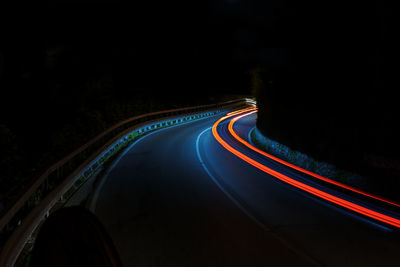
(314, 191)
(237, 112)
(236, 136)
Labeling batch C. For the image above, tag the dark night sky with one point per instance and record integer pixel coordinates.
(228, 32)
(203, 45)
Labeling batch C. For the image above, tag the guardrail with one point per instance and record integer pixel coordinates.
(60, 180)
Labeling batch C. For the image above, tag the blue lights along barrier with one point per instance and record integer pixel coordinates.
(94, 167)
(60, 181)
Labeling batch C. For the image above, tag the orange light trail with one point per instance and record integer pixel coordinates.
(232, 132)
(314, 191)
(240, 111)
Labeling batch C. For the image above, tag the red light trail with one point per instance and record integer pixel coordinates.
(230, 127)
(314, 191)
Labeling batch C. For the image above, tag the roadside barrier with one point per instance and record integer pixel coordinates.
(60, 181)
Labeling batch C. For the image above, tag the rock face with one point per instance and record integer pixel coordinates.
(335, 99)
(339, 110)
(308, 163)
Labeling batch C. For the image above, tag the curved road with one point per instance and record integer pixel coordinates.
(176, 197)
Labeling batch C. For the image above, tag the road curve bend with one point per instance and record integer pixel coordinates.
(177, 197)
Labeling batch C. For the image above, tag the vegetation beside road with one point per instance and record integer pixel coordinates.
(333, 119)
(70, 96)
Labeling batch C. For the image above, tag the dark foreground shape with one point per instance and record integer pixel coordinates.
(73, 236)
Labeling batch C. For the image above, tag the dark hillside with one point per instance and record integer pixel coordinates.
(336, 99)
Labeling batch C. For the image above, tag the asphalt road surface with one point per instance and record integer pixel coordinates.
(176, 197)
